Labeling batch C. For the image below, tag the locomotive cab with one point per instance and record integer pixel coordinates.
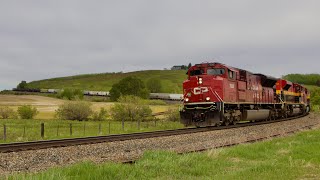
(203, 94)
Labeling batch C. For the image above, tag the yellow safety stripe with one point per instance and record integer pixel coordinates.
(289, 93)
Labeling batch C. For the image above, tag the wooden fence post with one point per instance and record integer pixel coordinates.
(42, 130)
(109, 127)
(24, 131)
(4, 132)
(58, 130)
(100, 129)
(122, 124)
(139, 124)
(70, 129)
(84, 129)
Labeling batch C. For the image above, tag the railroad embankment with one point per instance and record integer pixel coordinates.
(288, 157)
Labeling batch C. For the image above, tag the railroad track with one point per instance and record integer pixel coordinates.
(250, 140)
(34, 145)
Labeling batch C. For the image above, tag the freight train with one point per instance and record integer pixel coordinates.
(161, 96)
(216, 94)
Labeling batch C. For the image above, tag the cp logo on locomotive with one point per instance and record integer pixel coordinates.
(200, 90)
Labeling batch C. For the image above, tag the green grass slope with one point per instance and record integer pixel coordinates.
(294, 157)
(171, 80)
(306, 79)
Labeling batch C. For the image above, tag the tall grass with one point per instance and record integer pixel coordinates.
(295, 157)
(29, 130)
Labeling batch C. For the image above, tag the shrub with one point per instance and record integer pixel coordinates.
(101, 115)
(75, 110)
(129, 86)
(27, 112)
(315, 108)
(130, 108)
(6, 113)
(173, 114)
(154, 85)
(22, 85)
(70, 94)
(315, 96)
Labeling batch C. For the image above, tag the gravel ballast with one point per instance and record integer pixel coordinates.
(38, 160)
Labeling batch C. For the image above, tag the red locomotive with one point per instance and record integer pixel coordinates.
(216, 94)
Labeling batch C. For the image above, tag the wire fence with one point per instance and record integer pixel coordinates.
(31, 131)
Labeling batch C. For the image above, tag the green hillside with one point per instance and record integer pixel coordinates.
(171, 80)
(306, 79)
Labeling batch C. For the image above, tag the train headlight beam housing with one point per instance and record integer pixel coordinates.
(200, 81)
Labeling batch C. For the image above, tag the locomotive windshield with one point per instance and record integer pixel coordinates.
(196, 72)
(216, 71)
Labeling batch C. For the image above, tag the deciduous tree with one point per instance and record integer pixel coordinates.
(129, 86)
(154, 85)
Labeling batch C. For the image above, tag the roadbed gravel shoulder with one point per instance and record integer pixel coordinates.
(39, 160)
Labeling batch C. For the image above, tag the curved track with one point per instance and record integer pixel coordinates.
(15, 147)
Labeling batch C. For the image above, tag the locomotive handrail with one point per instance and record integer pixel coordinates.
(216, 94)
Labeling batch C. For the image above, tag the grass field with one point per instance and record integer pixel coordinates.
(47, 105)
(29, 130)
(295, 157)
(171, 80)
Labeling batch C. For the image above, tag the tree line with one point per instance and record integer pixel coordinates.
(307, 79)
(129, 92)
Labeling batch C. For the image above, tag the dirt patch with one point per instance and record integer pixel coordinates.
(45, 105)
(13, 100)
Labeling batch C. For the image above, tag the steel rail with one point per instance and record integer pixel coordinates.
(35, 145)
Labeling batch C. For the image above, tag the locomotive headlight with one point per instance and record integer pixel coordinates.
(200, 80)
(208, 99)
(186, 100)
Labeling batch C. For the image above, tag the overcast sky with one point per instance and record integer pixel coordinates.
(45, 39)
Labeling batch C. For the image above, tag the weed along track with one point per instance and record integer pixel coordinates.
(129, 147)
(253, 139)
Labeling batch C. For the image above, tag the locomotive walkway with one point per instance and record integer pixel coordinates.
(35, 145)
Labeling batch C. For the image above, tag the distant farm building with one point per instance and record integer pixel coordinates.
(182, 67)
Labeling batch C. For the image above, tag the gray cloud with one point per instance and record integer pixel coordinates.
(44, 39)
